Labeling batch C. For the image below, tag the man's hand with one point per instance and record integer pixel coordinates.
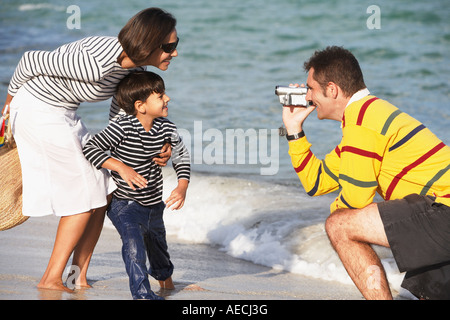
(294, 116)
(164, 156)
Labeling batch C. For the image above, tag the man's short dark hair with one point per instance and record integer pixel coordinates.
(338, 65)
(137, 86)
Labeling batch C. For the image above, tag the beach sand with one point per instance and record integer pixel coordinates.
(201, 272)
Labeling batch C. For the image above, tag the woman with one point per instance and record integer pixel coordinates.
(44, 93)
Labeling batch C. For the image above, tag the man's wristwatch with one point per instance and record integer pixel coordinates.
(295, 136)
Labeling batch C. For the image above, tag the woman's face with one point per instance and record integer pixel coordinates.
(161, 59)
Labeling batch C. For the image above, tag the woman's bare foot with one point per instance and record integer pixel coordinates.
(54, 286)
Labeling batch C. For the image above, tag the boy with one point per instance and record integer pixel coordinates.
(136, 208)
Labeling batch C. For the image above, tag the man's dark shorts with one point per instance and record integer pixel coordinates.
(418, 231)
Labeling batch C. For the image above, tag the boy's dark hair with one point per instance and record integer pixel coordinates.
(136, 86)
(144, 33)
(337, 65)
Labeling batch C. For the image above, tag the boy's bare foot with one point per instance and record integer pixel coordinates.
(167, 284)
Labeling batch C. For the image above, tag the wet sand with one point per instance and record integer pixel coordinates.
(201, 272)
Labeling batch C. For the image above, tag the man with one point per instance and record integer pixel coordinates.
(382, 150)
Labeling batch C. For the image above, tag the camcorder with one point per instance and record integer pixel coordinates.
(292, 96)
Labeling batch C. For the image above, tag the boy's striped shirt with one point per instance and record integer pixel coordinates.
(127, 141)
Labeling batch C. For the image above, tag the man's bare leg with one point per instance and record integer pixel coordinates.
(351, 231)
(70, 230)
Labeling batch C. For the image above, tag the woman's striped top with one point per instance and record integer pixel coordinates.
(82, 71)
(382, 150)
(127, 141)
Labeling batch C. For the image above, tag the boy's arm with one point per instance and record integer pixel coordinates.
(181, 160)
(178, 195)
(182, 165)
(127, 173)
(109, 139)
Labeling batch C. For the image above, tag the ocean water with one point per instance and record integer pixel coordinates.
(244, 196)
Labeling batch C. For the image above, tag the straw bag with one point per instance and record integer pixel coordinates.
(10, 181)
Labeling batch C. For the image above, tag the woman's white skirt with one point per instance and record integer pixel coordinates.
(57, 178)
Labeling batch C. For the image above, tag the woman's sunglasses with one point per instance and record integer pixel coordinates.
(169, 47)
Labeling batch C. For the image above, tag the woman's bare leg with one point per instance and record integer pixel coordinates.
(85, 247)
(70, 230)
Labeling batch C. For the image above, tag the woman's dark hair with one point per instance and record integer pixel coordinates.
(337, 65)
(144, 33)
(136, 86)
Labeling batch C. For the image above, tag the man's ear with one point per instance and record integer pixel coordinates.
(332, 89)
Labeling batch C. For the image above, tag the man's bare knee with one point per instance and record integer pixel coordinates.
(335, 225)
(356, 224)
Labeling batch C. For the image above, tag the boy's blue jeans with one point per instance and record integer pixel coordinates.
(143, 234)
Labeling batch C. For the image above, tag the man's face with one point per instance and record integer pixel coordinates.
(325, 105)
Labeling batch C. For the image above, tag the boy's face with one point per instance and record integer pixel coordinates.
(156, 105)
